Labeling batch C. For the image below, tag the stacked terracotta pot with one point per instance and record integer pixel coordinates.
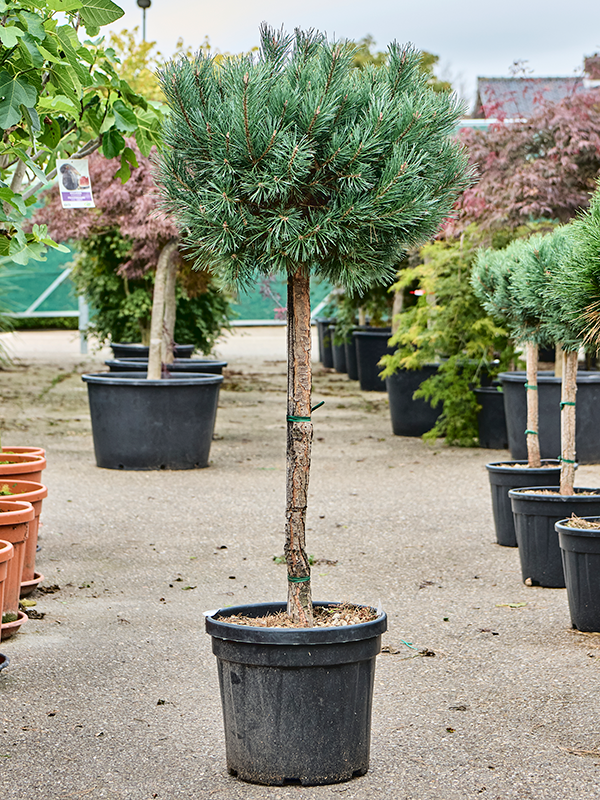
(21, 496)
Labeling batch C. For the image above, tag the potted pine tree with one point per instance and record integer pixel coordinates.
(537, 509)
(508, 283)
(292, 162)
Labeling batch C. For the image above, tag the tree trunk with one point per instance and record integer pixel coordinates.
(397, 307)
(558, 361)
(158, 310)
(567, 422)
(299, 440)
(533, 439)
(170, 311)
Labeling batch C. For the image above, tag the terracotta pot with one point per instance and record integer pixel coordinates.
(21, 468)
(23, 451)
(7, 551)
(15, 517)
(34, 493)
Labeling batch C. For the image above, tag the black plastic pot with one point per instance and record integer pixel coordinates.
(296, 701)
(504, 477)
(127, 350)
(205, 365)
(587, 429)
(491, 419)
(351, 362)
(338, 352)
(371, 345)
(4, 661)
(580, 549)
(535, 517)
(325, 351)
(411, 417)
(158, 424)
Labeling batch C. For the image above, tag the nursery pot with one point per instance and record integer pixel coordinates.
(371, 345)
(21, 467)
(125, 350)
(587, 430)
(296, 701)
(338, 351)
(580, 549)
(152, 424)
(507, 475)
(325, 351)
(411, 417)
(351, 362)
(15, 517)
(491, 419)
(535, 517)
(204, 365)
(7, 552)
(33, 493)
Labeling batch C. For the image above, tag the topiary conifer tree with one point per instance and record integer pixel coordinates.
(295, 163)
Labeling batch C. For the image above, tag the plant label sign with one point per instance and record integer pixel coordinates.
(74, 183)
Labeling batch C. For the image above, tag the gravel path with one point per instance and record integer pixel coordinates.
(114, 694)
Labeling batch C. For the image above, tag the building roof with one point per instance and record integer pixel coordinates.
(516, 98)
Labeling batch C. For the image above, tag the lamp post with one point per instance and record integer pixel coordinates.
(144, 4)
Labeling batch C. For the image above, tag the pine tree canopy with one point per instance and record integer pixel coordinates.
(295, 160)
(577, 287)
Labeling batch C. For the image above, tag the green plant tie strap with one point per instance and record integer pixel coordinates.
(530, 386)
(566, 403)
(533, 433)
(293, 579)
(292, 418)
(566, 460)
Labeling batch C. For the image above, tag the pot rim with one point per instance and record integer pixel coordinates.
(34, 491)
(18, 511)
(134, 379)
(143, 359)
(547, 376)
(7, 550)
(534, 494)
(570, 530)
(289, 636)
(505, 466)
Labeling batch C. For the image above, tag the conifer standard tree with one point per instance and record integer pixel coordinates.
(295, 163)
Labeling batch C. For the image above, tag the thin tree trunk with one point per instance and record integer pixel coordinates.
(533, 439)
(170, 311)
(158, 310)
(567, 422)
(299, 441)
(362, 316)
(558, 361)
(397, 308)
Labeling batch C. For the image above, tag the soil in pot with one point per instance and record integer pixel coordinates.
(536, 511)
(579, 541)
(410, 416)
(507, 475)
(296, 701)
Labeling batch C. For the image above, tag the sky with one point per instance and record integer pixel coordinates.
(471, 37)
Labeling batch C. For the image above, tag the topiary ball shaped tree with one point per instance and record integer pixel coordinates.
(295, 163)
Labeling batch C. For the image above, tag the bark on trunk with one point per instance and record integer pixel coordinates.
(170, 311)
(299, 441)
(158, 310)
(567, 422)
(558, 361)
(533, 440)
(397, 307)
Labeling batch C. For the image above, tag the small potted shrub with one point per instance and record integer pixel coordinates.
(292, 162)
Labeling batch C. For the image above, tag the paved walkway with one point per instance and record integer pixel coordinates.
(114, 692)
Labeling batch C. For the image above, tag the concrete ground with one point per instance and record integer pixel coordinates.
(114, 693)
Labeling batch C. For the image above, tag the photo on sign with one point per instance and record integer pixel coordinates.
(74, 183)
